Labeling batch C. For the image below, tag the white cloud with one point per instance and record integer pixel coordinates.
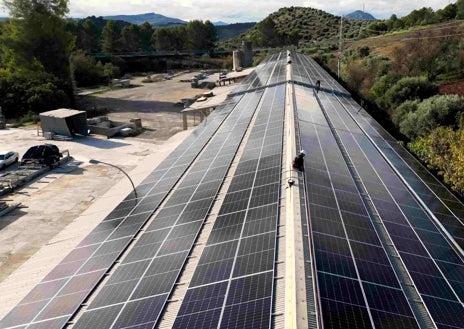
(241, 10)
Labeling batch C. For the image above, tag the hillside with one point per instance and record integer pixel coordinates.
(386, 44)
(304, 26)
(412, 81)
(230, 31)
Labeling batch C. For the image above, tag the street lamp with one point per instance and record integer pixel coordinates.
(94, 161)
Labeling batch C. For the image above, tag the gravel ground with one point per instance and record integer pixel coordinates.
(157, 104)
(61, 207)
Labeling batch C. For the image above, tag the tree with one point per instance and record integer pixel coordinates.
(88, 38)
(442, 151)
(201, 36)
(26, 9)
(266, 33)
(364, 51)
(111, 37)
(404, 58)
(423, 16)
(146, 33)
(35, 46)
(163, 39)
(130, 38)
(448, 13)
(180, 38)
(460, 9)
(36, 37)
(409, 88)
(32, 92)
(355, 74)
(418, 119)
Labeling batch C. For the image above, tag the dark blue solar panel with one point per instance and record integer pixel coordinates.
(113, 293)
(385, 320)
(335, 263)
(203, 298)
(395, 209)
(335, 249)
(340, 289)
(342, 315)
(388, 299)
(247, 220)
(353, 269)
(140, 312)
(182, 222)
(445, 312)
(203, 319)
(254, 314)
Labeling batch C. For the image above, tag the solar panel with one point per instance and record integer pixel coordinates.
(243, 239)
(161, 180)
(337, 262)
(397, 207)
(186, 218)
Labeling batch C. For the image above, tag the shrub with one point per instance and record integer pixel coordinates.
(422, 118)
(409, 88)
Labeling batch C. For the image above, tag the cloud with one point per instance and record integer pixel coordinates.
(380, 9)
(233, 11)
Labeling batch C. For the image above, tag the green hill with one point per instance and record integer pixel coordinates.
(230, 31)
(300, 26)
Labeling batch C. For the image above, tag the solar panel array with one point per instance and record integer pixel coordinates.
(384, 243)
(71, 282)
(348, 245)
(148, 271)
(235, 274)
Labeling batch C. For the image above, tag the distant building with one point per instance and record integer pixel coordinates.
(243, 58)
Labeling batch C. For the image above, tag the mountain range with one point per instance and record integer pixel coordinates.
(154, 19)
(160, 20)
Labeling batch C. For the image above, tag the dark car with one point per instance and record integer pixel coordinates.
(46, 154)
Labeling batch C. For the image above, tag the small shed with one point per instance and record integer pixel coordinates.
(65, 122)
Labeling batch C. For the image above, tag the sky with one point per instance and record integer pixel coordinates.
(239, 11)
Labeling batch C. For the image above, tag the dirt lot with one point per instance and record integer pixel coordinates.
(158, 104)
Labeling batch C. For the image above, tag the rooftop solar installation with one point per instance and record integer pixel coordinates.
(200, 243)
(391, 213)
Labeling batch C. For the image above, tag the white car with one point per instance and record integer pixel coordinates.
(7, 158)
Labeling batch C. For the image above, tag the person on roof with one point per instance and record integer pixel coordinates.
(298, 162)
(318, 86)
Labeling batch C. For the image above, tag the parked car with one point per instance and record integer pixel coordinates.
(7, 158)
(46, 154)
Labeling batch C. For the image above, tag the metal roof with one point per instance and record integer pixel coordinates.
(61, 113)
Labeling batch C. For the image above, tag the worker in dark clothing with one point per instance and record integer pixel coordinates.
(298, 162)
(318, 85)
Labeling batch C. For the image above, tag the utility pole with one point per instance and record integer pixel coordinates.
(340, 46)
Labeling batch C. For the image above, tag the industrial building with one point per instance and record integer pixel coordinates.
(225, 233)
